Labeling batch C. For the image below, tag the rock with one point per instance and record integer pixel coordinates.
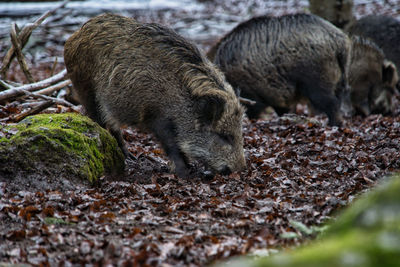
(366, 234)
(56, 152)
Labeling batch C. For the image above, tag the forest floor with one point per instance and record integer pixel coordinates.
(299, 173)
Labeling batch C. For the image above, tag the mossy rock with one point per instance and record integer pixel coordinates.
(366, 234)
(55, 151)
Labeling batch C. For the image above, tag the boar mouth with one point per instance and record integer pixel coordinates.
(197, 165)
(223, 170)
(200, 158)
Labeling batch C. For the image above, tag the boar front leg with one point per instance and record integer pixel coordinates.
(322, 97)
(116, 132)
(165, 131)
(330, 105)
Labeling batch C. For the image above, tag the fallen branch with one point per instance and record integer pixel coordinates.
(13, 84)
(45, 97)
(17, 91)
(53, 88)
(35, 110)
(24, 35)
(5, 85)
(18, 51)
(53, 69)
(32, 104)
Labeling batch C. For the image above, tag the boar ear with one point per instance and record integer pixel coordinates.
(209, 108)
(389, 73)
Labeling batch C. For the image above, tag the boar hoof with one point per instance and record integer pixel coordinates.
(128, 155)
(182, 172)
(208, 174)
(179, 169)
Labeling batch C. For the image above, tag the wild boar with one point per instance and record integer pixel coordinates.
(382, 30)
(146, 75)
(280, 61)
(337, 12)
(372, 78)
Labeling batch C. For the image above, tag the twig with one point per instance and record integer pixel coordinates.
(5, 85)
(18, 51)
(246, 101)
(63, 94)
(31, 104)
(58, 18)
(13, 84)
(53, 88)
(53, 69)
(16, 91)
(45, 97)
(35, 110)
(24, 37)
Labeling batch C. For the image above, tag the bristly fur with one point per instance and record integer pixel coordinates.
(372, 78)
(384, 31)
(146, 75)
(278, 61)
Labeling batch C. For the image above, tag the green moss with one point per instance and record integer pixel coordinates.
(366, 234)
(355, 248)
(68, 141)
(379, 208)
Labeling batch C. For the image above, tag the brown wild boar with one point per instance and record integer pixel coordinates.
(279, 61)
(146, 75)
(372, 78)
(382, 30)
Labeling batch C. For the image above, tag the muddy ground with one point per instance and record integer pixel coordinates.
(299, 170)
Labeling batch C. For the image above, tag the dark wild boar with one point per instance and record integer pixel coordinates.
(145, 75)
(372, 78)
(279, 61)
(382, 30)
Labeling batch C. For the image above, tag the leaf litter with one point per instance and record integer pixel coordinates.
(299, 174)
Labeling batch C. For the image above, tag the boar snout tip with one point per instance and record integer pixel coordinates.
(225, 170)
(240, 167)
(243, 165)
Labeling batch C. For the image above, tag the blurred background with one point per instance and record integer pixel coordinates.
(202, 21)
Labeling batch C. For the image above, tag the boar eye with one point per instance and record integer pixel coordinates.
(227, 138)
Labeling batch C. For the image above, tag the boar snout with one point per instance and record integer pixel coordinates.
(373, 78)
(383, 103)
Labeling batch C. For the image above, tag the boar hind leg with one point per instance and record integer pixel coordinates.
(323, 99)
(93, 111)
(165, 131)
(253, 111)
